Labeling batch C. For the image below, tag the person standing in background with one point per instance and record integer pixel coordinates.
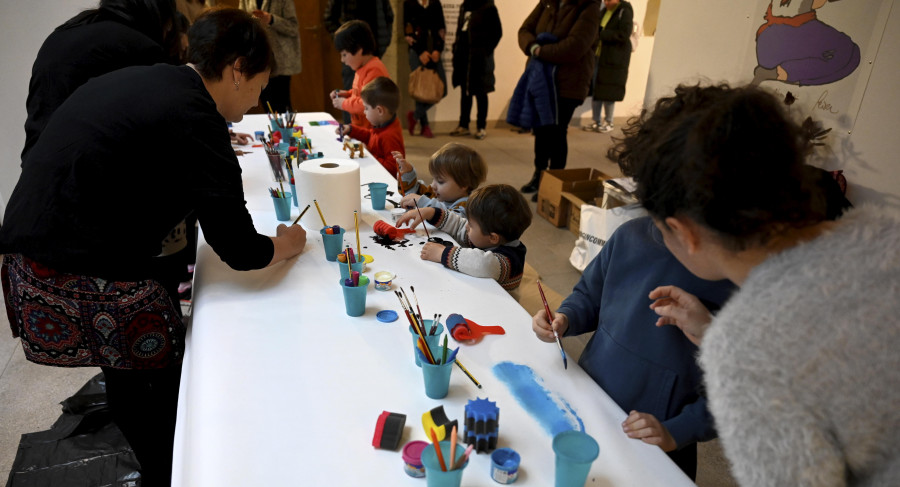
(613, 56)
(280, 19)
(574, 25)
(116, 34)
(377, 13)
(478, 31)
(424, 30)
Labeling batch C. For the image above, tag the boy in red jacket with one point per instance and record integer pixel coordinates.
(381, 99)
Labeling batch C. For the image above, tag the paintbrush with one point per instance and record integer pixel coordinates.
(413, 289)
(419, 331)
(423, 220)
(301, 214)
(434, 324)
(550, 320)
(358, 246)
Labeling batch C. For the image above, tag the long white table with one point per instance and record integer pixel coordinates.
(281, 387)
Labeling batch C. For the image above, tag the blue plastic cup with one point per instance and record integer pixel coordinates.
(434, 476)
(334, 244)
(358, 267)
(274, 125)
(437, 378)
(355, 297)
(283, 207)
(379, 193)
(433, 341)
(294, 195)
(286, 134)
(575, 452)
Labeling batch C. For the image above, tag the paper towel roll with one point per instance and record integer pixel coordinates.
(335, 185)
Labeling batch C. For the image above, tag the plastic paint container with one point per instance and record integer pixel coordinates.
(505, 465)
(412, 458)
(396, 213)
(383, 280)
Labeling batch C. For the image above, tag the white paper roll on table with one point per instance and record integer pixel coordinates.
(335, 185)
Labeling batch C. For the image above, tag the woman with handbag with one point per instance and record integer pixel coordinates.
(424, 30)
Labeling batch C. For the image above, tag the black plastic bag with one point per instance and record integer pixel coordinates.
(82, 448)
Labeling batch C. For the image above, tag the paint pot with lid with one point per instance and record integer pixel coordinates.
(412, 458)
(505, 465)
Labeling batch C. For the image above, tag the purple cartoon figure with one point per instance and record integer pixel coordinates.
(794, 47)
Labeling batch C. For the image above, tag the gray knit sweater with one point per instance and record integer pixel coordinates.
(803, 364)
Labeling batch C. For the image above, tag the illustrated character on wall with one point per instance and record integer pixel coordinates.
(794, 47)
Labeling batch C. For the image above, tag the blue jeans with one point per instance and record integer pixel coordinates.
(607, 106)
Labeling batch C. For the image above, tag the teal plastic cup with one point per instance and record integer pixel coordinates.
(575, 452)
(274, 125)
(433, 341)
(294, 194)
(355, 297)
(437, 378)
(283, 207)
(358, 267)
(379, 193)
(286, 134)
(334, 244)
(434, 476)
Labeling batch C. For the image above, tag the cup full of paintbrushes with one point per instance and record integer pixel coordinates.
(354, 290)
(433, 339)
(333, 241)
(453, 467)
(282, 201)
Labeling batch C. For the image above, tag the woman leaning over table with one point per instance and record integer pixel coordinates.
(89, 225)
(801, 364)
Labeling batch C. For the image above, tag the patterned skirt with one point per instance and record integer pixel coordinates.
(70, 320)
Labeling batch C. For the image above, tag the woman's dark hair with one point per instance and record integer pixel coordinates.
(221, 36)
(353, 36)
(729, 158)
(501, 209)
(153, 18)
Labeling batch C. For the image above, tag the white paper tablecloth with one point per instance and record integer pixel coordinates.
(281, 387)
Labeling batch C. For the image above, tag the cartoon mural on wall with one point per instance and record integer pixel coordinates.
(794, 47)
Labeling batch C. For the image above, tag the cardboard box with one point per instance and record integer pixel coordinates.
(575, 201)
(583, 182)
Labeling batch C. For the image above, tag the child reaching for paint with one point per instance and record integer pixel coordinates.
(649, 372)
(381, 99)
(355, 42)
(498, 216)
(456, 171)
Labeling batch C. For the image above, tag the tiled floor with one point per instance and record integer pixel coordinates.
(29, 394)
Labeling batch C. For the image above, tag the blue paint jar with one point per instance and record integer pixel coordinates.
(505, 465)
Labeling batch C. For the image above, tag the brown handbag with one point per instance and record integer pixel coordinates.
(425, 86)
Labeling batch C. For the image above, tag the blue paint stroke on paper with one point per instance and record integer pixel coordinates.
(550, 410)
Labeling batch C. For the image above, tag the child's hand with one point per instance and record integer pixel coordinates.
(403, 166)
(542, 328)
(432, 251)
(409, 201)
(342, 129)
(338, 102)
(678, 307)
(412, 217)
(645, 427)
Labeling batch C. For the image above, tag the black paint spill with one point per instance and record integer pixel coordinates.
(387, 243)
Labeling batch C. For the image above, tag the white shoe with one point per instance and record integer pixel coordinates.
(593, 127)
(481, 134)
(606, 127)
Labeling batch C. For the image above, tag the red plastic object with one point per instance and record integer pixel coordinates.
(469, 330)
(385, 229)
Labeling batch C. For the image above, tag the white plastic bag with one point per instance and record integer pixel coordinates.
(597, 225)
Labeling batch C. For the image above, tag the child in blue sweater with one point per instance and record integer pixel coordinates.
(649, 372)
(498, 215)
(456, 171)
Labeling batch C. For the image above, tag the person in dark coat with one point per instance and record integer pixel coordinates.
(613, 56)
(424, 29)
(575, 23)
(478, 31)
(118, 33)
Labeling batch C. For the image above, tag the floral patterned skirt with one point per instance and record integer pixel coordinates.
(70, 320)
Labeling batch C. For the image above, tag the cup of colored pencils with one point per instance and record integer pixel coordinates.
(282, 201)
(442, 469)
(354, 289)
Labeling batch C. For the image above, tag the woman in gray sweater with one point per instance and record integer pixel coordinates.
(801, 365)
